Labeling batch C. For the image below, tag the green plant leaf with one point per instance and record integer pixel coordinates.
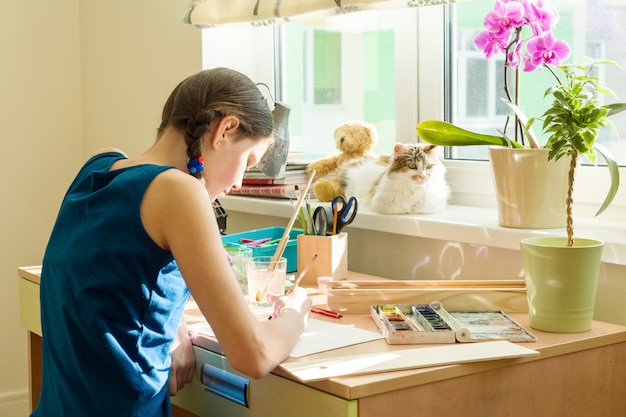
(615, 108)
(443, 133)
(558, 96)
(605, 91)
(614, 173)
(524, 121)
(554, 111)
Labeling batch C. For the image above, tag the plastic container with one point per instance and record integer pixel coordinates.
(322, 284)
(274, 234)
(240, 256)
(263, 281)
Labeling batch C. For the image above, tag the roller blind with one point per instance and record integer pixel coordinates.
(212, 13)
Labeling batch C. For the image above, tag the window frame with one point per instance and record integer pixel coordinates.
(421, 96)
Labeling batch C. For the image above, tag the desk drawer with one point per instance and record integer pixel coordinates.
(271, 396)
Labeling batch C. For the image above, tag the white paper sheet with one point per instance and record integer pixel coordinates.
(351, 365)
(319, 336)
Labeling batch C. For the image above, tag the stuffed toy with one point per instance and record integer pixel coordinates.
(355, 140)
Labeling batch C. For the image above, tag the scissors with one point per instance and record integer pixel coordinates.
(328, 221)
(344, 212)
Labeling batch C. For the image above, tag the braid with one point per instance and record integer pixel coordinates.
(194, 133)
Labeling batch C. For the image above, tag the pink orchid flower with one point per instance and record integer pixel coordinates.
(514, 58)
(541, 17)
(505, 15)
(491, 43)
(545, 49)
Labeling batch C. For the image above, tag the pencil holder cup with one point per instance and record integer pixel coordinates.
(332, 257)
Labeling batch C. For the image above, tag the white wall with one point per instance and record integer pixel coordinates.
(40, 111)
(75, 76)
(132, 55)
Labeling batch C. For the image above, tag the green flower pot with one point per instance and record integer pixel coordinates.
(561, 282)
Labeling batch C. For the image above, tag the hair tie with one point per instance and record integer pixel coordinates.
(195, 165)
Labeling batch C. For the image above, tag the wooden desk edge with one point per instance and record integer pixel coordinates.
(31, 273)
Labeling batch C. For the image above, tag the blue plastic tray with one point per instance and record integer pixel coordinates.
(274, 233)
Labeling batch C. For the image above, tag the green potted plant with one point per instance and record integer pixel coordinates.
(561, 272)
(525, 201)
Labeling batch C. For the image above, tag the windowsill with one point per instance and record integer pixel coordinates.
(464, 224)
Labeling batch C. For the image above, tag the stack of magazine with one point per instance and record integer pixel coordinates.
(294, 179)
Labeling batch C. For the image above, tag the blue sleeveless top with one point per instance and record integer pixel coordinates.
(111, 300)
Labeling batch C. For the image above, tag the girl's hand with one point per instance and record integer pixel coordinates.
(297, 300)
(183, 364)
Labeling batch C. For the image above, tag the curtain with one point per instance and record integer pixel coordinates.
(211, 13)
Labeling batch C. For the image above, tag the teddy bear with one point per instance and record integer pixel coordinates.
(355, 140)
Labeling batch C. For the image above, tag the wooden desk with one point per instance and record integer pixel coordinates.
(580, 374)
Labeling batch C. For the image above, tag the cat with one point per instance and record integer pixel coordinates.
(412, 181)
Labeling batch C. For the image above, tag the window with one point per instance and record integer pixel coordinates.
(337, 69)
(344, 68)
(391, 69)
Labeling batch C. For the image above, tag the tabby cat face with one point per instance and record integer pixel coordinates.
(417, 159)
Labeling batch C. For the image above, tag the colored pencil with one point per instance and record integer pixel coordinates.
(325, 312)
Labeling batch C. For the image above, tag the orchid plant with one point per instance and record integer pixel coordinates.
(523, 31)
(504, 27)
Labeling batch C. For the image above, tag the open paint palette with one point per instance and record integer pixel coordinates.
(431, 323)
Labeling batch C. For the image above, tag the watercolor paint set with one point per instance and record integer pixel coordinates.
(431, 323)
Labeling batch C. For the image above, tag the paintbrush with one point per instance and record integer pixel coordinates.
(260, 293)
(302, 274)
(297, 281)
(285, 238)
(283, 241)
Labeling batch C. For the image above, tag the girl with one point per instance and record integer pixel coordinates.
(133, 238)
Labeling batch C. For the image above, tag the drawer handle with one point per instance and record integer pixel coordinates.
(225, 384)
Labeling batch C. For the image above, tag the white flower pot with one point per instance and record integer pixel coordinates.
(530, 191)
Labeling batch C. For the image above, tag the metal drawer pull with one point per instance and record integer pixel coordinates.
(225, 384)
